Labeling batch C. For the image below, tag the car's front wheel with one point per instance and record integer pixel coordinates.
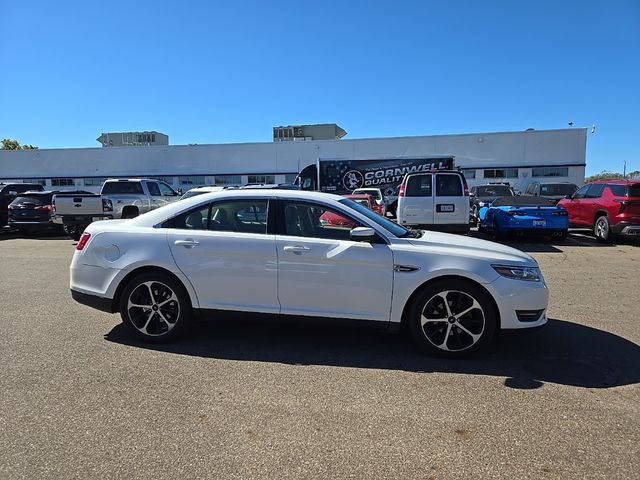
(452, 318)
(155, 307)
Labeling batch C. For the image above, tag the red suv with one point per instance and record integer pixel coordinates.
(609, 207)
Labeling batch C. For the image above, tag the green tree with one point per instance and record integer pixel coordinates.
(8, 144)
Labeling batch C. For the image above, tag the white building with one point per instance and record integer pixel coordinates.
(516, 157)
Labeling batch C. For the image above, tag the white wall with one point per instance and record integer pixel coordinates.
(482, 150)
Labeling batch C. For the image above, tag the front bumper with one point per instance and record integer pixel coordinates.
(516, 296)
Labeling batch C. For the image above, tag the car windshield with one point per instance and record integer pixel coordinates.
(558, 189)
(192, 193)
(494, 191)
(388, 225)
(34, 199)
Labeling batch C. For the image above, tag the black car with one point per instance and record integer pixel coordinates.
(483, 195)
(8, 193)
(32, 211)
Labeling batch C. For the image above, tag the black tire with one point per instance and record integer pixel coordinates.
(495, 231)
(155, 307)
(130, 212)
(602, 229)
(75, 232)
(443, 336)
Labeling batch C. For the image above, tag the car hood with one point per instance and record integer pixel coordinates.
(463, 246)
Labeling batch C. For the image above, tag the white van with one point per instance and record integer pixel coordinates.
(437, 200)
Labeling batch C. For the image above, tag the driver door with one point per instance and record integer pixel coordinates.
(323, 273)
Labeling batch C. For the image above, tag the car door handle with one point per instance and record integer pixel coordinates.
(297, 249)
(188, 243)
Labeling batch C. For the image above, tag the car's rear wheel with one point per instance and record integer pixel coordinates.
(155, 307)
(602, 229)
(452, 318)
(496, 234)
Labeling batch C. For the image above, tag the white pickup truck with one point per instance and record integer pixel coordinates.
(119, 198)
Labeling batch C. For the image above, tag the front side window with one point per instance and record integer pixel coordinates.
(581, 193)
(469, 173)
(317, 221)
(418, 186)
(448, 185)
(166, 190)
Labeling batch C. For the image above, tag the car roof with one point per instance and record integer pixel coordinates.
(160, 214)
(617, 181)
(358, 195)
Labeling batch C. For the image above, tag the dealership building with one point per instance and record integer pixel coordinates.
(515, 157)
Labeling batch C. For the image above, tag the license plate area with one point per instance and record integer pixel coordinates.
(445, 208)
(539, 223)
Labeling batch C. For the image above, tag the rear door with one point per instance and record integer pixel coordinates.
(416, 207)
(451, 206)
(223, 248)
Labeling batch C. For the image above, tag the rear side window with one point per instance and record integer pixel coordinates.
(634, 190)
(618, 190)
(248, 216)
(418, 186)
(115, 188)
(448, 185)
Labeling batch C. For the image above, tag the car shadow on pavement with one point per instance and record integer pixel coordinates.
(562, 352)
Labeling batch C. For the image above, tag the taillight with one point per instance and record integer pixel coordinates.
(623, 205)
(43, 208)
(83, 240)
(466, 187)
(401, 190)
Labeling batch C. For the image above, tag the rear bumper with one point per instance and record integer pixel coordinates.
(79, 220)
(31, 225)
(99, 303)
(534, 231)
(442, 227)
(626, 228)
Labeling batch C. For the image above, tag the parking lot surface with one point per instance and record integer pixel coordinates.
(82, 399)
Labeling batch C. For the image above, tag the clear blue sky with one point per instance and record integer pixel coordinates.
(213, 71)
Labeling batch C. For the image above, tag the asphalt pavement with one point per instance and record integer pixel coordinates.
(81, 399)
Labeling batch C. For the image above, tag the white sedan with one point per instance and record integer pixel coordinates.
(270, 252)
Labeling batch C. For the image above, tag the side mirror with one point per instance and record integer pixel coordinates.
(471, 194)
(362, 234)
(568, 197)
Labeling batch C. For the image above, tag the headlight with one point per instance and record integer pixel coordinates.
(530, 274)
(481, 204)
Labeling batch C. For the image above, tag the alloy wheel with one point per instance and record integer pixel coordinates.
(153, 308)
(452, 320)
(602, 228)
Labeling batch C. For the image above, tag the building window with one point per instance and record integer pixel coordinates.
(94, 181)
(469, 173)
(227, 180)
(290, 178)
(41, 181)
(261, 179)
(62, 182)
(550, 172)
(501, 173)
(192, 180)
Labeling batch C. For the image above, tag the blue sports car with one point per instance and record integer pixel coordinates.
(522, 215)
